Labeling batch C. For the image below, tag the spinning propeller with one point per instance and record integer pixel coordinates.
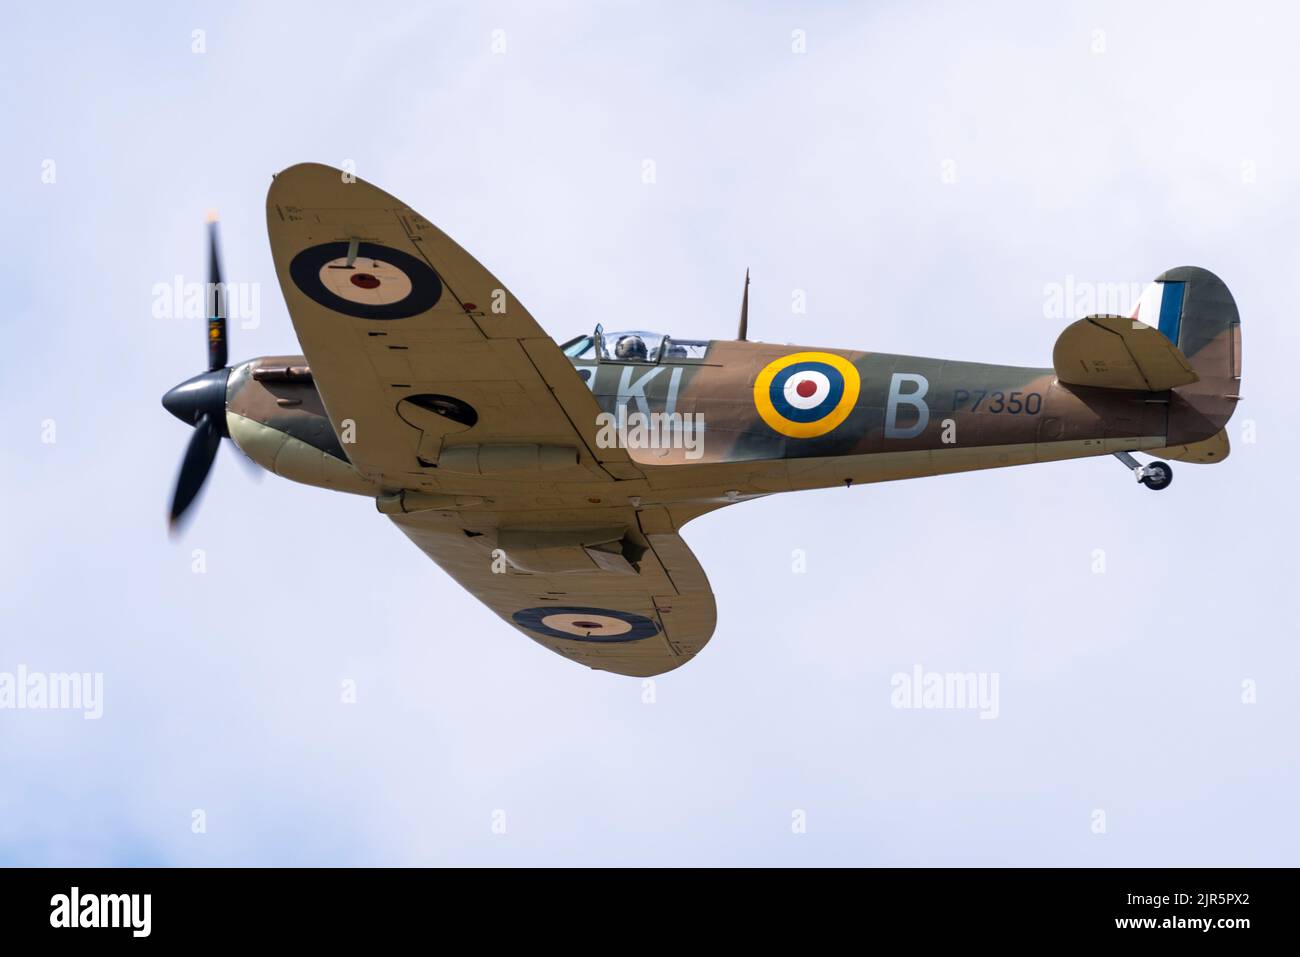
(201, 401)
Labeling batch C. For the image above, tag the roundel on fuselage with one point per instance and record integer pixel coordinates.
(806, 394)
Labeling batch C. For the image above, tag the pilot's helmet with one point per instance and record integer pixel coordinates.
(630, 347)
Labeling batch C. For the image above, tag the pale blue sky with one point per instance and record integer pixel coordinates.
(820, 171)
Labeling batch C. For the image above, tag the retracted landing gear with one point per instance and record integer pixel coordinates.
(1156, 476)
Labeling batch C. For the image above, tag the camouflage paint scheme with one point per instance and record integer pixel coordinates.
(1069, 421)
(598, 538)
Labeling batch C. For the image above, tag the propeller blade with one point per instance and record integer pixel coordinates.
(216, 301)
(195, 466)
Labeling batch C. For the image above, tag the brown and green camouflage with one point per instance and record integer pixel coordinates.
(552, 482)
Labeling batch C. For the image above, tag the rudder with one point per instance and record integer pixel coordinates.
(1193, 308)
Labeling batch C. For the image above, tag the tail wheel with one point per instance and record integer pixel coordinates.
(1158, 476)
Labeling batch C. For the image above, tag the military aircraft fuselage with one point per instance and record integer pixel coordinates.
(724, 419)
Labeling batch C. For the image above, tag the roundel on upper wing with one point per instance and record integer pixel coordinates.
(586, 624)
(806, 394)
(381, 283)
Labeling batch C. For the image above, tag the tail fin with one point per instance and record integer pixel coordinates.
(1195, 311)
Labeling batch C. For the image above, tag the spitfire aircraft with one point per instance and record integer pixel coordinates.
(552, 481)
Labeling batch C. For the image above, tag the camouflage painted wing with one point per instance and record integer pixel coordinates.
(412, 342)
(626, 595)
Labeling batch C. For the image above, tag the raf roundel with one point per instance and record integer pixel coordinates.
(806, 394)
(379, 283)
(586, 624)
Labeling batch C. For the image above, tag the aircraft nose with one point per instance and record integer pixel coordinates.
(205, 393)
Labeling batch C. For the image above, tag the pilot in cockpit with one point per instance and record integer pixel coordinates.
(631, 348)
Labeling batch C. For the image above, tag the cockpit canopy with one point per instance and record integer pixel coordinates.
(634, 345)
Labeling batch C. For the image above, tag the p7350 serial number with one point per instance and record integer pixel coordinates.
(1011, 403)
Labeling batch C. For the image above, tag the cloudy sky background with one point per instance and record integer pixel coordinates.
(821, 171)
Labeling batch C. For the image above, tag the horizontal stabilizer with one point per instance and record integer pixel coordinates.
(1114, 352)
